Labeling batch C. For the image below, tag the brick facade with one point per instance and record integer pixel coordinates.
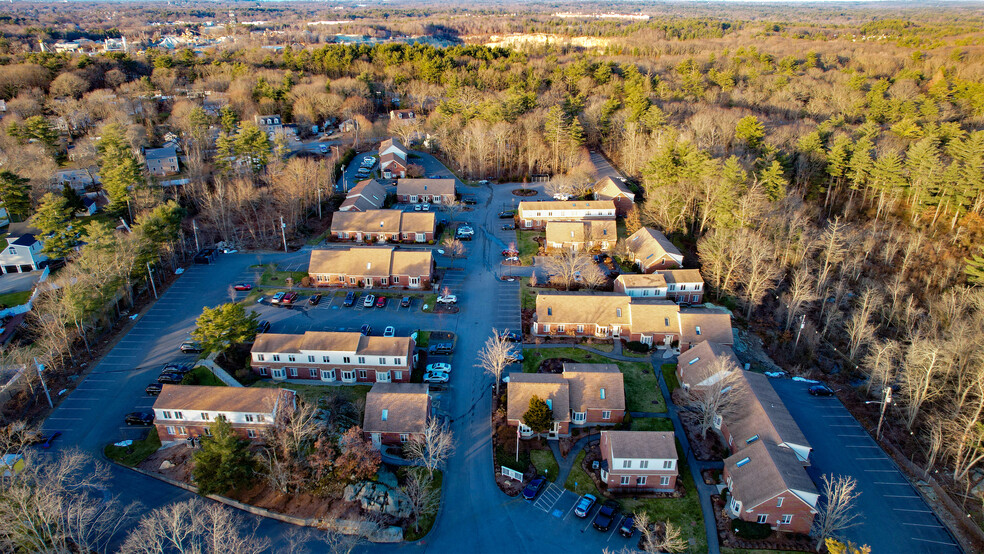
(362, 373)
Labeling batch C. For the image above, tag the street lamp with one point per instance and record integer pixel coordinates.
(887, 399)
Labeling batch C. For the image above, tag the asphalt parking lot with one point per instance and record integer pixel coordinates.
(895, 517)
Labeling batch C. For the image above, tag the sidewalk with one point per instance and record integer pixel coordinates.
(566, 464)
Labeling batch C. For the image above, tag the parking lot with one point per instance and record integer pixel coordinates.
(895, 517)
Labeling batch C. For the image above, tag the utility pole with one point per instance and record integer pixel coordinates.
(150, 274)
(283, 232)
(194, 225)
(319, 202)
(40, 368)
(885, 402)
(800, 330)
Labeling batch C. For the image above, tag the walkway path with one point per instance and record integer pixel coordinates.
(567, 464)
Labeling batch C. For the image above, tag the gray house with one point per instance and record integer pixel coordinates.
(162, 161)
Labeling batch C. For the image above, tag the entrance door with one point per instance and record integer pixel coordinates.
(376, 441)
(647, 339)
(616, 330)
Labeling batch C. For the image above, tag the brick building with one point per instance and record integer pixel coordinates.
(185, 411)
(434, 191)
(653, 251)
(384, 225)
(333, 357)
(536, 214)
(639, 461)
(396, 412)
(372, 267)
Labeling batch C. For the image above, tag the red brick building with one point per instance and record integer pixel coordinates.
(616, 191)
(683, 286)
(396, 412)
(597, 393)
(333, 357)
(434, 191)
(705, 364)
(536, 214)
(185, 411)
(639, 461)
(384, 226)
(372, 267)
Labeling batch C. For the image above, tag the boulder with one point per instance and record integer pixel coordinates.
(369, 530)
(166, 464)
(387, 478)
(378, 497)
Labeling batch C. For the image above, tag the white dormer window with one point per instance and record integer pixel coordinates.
(12, 250)
(385, 415)
(259, 357)
(667, 464)
(249, 418)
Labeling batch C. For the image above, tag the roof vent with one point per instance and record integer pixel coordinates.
(385, 414)
(743, 461)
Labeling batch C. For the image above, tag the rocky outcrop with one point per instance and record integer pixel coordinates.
(378, 497)
(369, 530)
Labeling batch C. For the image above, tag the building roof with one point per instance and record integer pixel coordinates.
(763, 471)
(700, 362)
(609, 188)
(26, 239)
(393, 141)
(582, 307)
(405, 406)
(548, 205)
(222, 399)
(677, 276)
(392, 158)
(561, 232)
(373, 261)
(762, 413)
(20, 229)
(425, 186)
(160, 153)
(548, 386)
(649, 245)
(642, 280)
(331, 341)
(412, 262)
(587, 381)
(654, 316)
(376, 221)
(367, 195)
(418, 222)
(700, 324)
(648, 445)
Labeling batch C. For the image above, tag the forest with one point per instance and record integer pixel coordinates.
(823, 166)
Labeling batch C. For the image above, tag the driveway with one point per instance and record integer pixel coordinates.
(17, 282)
(895, 517)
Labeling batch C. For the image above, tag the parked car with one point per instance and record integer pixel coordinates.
(515, 356)
(465, 231)
(389, 331)
(349, 299)
(821, 390)
(606, 515)
(153, 389)
(381, 302)
(405, 302)
(289, 299)
(561, 196)
(436, 377)
(441, 348)
(417, 208)
(510, 336)
(584, 505)
(507, 214)
(533, 487)
(170, 378)
(369, 301)
(627, 527)
(512, 260)
(483, 182)
(180, 369)
(139, 418)
(277, 297)
(191, 347)
(242, 286)
(509, 227)
(425, 207)
(508, 252)
(323, 148)
(262, 327)
(366, 329)
(47, 440)
(314, 300)
(440, 367)
(447, 299)
(469, 200)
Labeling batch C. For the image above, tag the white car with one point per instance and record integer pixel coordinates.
(561, 196)
(440, 367)
(389, 331)
(436, 377)
(417, 208)
(425, 207)
(277, 297)
(465, 230)
(369, 301)
(447, 299)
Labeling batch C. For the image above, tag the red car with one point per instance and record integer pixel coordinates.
(381, 302)
(509, 252)
(242, 286)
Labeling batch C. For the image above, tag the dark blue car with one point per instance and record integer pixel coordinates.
(533, 487)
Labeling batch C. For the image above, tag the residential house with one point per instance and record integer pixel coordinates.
(78, 179)
(551, 388)
(767, 484)
(683, 286)
(402, 115)
(269, 124)
(162, 161)
(435, 191)
(384, 225)
(393, 158)
(616, 191)
(597, 393)
(592, 234)
(536, 214)
(367, 195)
(372, 267)
(185, 411)
(653, 251)
(393, 145)
(639, 461)
(333, 357)
(762, 417)
(22, 252)
(705, 364)
(617, 316)
(396, 412)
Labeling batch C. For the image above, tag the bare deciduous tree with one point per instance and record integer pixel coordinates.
(919, 376)
(196, 525)
(837, 511)
(654, 542)
(424, 499)
(453, 248)
(432, 447)
(761, 272)
(801, 291)
(495, 356)
(567, 267)
(720, 399)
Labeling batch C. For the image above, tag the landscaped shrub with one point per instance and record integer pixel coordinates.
(637, 346)
(749, 530)
(305, 281)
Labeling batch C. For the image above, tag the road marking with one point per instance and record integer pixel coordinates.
(911, 510)
(899, 496)
(923, 525)
(853, 436)
(935, 542)
(882, 470)
(861, 446)
(67, 408)
(64, 419)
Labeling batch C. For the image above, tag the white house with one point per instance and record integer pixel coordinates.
(22, 252)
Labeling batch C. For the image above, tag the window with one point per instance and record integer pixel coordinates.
(397, 361)
(263, 371)
(324, 360)
(312, 373)
(207, 431)
(546, 327)
(672, 287)
(348, 375)
(695, 298)
(414, 280)
(779, 502)
(641, 480)
(786, 519)
(251, 433)
(667, 464)
(351, 280)
(204, 416)
(693, 361)
(291, 358)
(404, 437)
(644, 464)
(170, 430)
(698, 329)
(260, 418)
(346, 360)
(742, 462)
(327, 374)
(560, 328)
(624, 480)
(382, 361)
(683, 287)
(182, 431)
(12, 250)
(606, 414)
(293, 371)
(249, 418)
(751, 439)
(362, 374)
(626, 464)
(362, 359)
(382, 377)
(276, 357)
(580, 328)
(167, 414)
(735, 505)
(397, 375)
(178, 415)
(664, 480)
(579, 417)
(311, 359)
(602, 393)
(763, 518)
(549, 311)
(259, 357)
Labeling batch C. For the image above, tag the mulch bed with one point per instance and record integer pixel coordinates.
(524, 192)
(553, 365)
(776, 541)
(711, 476)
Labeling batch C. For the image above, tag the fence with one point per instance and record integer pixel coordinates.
(26, 307)
(512, 474)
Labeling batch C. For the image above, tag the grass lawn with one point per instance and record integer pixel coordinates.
(426, 521)
(684, 512)
(273, 278)
(423, 338)
(532, 357)
(545, 463)
(641, 388)
(620, 231)
(651, 424)
(579, 481)
(527, 294)
(15, 298)
(506, 456)
(631, 354)
(201, 375)
(311, 393)
(315, 240)
(136, 452)
(527, 246)
(669, 374)
(601, 346)
(430, 301)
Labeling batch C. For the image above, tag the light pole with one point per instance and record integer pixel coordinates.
(887, 399)
(194, 226)
(319, 202)
(40, 368)
(283, 232)
(150, 274)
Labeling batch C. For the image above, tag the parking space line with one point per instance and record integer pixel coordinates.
(882, 470)
(887, 483)
(911, 510)
(861, 446)
(853, 436)
(935, 542)
(922, 525)
(64, 419)
(899, 496)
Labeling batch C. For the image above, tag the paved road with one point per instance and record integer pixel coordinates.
(896, 519)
